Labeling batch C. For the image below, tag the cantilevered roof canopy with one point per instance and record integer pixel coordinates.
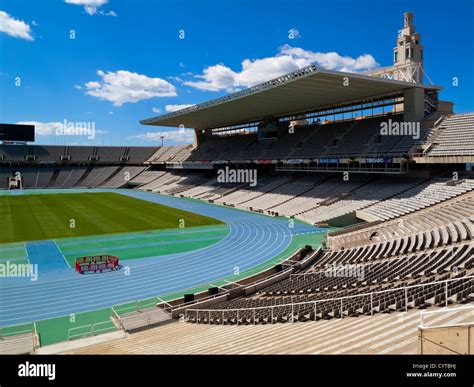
(304, 90)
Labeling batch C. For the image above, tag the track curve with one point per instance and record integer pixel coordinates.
(252, 240)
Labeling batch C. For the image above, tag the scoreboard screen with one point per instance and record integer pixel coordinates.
(13, 132)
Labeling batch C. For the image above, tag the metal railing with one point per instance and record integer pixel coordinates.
(450, 331)
(316, 302)
(458, 155)
(402, 168)
(118, 310)
(90, 330)
(134, 306)
(425, 315)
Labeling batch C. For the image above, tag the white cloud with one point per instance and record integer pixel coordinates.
(176, 79)
(109, 13)
(93, 84)
(78, 87)
(156, 110)
(124, 86)
(332, 60)
(90, 6)
(215, 78)
(174, 108)
(220, 77)
(14, 27)
(181, 136)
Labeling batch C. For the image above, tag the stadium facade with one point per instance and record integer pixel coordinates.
(312, 97)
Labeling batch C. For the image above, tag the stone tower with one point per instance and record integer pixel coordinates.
(408, 53)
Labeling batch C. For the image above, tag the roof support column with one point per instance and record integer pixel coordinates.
(414, 104)
(198, 137)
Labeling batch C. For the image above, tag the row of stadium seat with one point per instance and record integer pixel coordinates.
(75, 154)
(420, 293)
(378, 268)
(348, 202)
(316, 198)
(360, 137)
(378, 271)
(176, 153)
(449, 222)
(454, 136)
(70, 176)
(421, 196)
(187, 184)
(354, 138)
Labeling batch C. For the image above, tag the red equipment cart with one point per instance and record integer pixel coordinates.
(96, 263)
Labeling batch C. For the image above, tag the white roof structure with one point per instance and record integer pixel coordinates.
(304, 90)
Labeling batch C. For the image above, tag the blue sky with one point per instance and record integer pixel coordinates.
(133, 59)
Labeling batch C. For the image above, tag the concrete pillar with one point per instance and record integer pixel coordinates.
(414, 104)
(195, 138)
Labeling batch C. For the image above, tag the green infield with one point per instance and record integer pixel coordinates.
(14, 252)
(143, 244)
(37, 217)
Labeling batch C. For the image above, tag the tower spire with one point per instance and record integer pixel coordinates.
(408, 52)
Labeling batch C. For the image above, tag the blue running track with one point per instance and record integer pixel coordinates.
(252, 240)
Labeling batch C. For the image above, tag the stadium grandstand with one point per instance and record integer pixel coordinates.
(376, 162)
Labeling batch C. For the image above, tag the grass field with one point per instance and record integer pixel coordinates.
(38, 217)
